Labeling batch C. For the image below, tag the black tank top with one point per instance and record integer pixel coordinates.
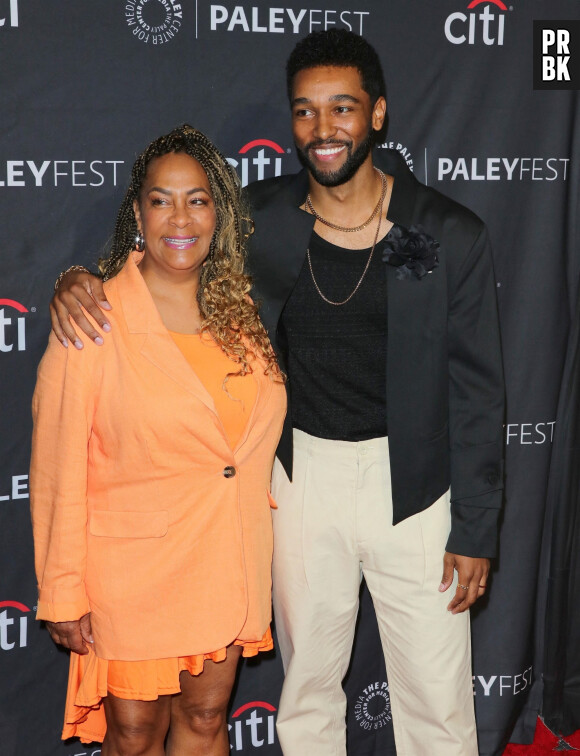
(337, 356)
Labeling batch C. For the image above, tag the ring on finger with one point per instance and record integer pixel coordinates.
(463, 587)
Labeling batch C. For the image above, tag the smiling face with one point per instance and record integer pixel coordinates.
(176, 215)
(333, 121)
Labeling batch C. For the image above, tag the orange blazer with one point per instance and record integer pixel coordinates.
(142, 512)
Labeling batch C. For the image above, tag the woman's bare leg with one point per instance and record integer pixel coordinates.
(198, 713)
(136, 728)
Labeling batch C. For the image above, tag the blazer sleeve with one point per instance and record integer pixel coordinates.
(62, 408)
(476, 405)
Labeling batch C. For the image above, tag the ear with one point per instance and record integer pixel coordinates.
(379, 113)
(137, 213)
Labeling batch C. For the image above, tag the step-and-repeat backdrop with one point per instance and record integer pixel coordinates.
(84, 86)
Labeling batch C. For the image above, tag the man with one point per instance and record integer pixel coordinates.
(379, 296)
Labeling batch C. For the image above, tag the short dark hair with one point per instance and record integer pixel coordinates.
(338, 47)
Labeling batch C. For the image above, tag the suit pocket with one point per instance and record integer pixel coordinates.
(129, 524)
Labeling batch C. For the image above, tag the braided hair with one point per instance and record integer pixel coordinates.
(227, 311)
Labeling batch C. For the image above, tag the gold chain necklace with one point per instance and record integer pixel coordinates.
(356, 288)
(384, 186)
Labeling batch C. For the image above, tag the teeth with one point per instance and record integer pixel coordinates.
(181, 241)
(329, 150)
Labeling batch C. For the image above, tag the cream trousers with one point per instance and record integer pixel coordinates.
(334, 521)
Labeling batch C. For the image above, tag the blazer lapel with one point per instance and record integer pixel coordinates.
(278, 248)
(157, 346)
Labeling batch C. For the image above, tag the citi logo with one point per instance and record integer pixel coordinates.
(256, 728)
(13, 631)
(12, 18)
(485, 25)
(12, 328)
(261, 158)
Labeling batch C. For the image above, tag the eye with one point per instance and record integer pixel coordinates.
(302, 113)
(158, 201)
(343, 109)
(199, 201)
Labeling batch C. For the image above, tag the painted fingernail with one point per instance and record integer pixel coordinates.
(65, 343)
(106, 328)
(442, 587)
(105, 305)
(79, 344)
(99, 340)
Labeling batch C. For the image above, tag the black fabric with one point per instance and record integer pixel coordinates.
(560, 619)
(337, 355)
(84, 89)
(445, 394)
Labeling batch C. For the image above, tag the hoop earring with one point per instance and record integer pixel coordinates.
(139, 242)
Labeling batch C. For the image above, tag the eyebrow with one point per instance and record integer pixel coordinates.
(168, 191)
(332, 98)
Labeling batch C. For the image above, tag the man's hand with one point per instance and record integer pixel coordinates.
(73, 635)
(77, 294)
(471, 580)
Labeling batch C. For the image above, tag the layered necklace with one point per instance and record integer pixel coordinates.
(378, 209)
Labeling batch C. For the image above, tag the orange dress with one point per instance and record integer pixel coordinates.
(90, 677)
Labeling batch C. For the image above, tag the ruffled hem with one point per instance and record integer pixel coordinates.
(91, 678)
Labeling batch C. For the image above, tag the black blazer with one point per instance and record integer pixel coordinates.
(445, 395)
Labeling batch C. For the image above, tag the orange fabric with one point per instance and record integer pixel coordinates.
(91, 678)
(233, 399)
(137, 516)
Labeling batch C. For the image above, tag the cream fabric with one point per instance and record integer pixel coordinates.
(332, 521)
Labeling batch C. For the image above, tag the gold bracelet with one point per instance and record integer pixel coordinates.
(72, 269)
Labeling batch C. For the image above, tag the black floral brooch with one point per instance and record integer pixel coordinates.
(411, 251)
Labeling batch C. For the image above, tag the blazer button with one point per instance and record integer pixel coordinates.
(229, 471)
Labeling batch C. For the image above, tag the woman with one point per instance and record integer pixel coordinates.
(151, 469)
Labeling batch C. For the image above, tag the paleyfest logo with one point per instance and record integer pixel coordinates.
(372, 709)
(485, 24)
(12, 18)
(154, 21)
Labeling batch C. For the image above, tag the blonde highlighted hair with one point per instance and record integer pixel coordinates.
(228, 312)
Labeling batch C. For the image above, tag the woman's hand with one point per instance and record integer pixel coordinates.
(77, 294)
(73, 635)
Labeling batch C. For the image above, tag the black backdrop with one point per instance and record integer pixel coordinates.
(84, 86)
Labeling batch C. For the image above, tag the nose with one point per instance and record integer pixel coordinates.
(324, 127)
(180, 217)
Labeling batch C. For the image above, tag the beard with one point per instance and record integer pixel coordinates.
(354, 159)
